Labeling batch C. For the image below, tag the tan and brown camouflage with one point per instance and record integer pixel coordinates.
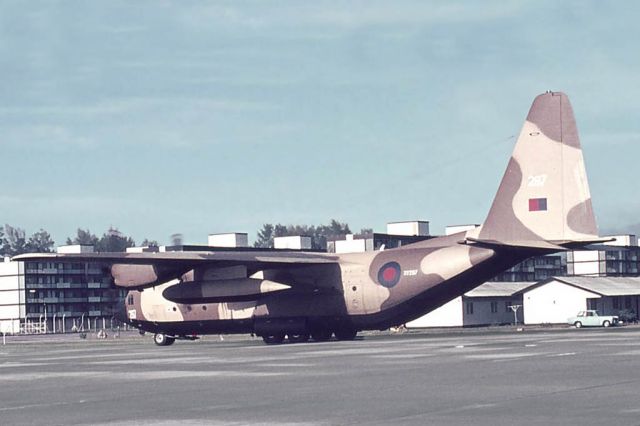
(542, 206)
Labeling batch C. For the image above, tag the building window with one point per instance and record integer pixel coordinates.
(494, 307)
(470, 308)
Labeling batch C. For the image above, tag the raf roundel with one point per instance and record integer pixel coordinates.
(389, 274)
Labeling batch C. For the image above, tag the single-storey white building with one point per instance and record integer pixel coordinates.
(489, 304)
(554, 300)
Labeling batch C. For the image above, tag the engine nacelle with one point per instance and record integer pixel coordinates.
(215, 291)
(144, 275)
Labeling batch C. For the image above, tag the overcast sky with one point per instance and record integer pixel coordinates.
(202, 117)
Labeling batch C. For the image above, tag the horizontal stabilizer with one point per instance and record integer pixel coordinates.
(582, 243)
(524, 244)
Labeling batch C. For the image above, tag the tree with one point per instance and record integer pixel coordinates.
(366, 231)
(1, 241)
(83, 237)
(114, 241)
(149, 243)
(14, 242)
(265, 236)
(40, 242)
(324, 232)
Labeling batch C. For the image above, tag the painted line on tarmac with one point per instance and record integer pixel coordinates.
(50, 404)
(139, 375)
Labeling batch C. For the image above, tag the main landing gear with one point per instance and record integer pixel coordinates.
(318, 335)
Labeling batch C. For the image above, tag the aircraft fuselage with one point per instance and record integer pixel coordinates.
(361, 291)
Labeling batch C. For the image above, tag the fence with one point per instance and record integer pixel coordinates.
(62, 325)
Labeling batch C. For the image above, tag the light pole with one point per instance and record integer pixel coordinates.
(45, 317)
(515, 308)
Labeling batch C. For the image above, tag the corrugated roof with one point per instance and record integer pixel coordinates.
(498, 289)
(606, 286)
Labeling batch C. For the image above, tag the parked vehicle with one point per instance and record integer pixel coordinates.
(590, 318)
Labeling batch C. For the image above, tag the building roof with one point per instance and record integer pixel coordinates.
(605, 286)
(499, 289)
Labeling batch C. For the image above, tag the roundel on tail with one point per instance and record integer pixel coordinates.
(389, 274)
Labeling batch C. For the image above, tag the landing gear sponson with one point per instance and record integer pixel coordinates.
(320, 335)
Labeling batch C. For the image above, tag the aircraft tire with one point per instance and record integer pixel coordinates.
(298, 338)
(346, 333)
(163, 340)
(321, 335)
(273, 339)
(578, 324)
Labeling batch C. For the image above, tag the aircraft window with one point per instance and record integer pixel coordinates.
(204, 308)
(354, 288)
(174, 309)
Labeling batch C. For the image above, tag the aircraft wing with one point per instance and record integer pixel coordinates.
(195, 258)
(139, 270)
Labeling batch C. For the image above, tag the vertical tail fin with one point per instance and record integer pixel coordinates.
(544, 194)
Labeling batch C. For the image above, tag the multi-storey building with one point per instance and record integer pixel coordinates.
(56, 296)
(605, 260)
(535, 269)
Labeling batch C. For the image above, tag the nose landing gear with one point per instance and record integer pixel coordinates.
(163, 340)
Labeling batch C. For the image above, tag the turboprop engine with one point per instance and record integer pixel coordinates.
(229, 290)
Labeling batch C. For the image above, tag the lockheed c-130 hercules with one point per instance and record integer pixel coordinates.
(542, 206)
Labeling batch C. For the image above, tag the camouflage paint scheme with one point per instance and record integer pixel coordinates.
(324, 293)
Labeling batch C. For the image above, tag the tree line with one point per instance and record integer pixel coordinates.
(319, 234)
(14, 241)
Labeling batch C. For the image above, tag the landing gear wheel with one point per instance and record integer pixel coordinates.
(163, 340)
(606, 323)
(346, 333)
(321, 335)
(578, 324)
(298, 338)
(273, 339)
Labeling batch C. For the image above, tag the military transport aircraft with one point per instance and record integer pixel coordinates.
(542, 206)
